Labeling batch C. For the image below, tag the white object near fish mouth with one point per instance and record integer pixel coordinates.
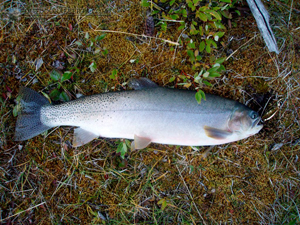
(147, 114)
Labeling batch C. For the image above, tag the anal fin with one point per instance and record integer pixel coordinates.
(82, 137)
(140, 142)
(216, 133)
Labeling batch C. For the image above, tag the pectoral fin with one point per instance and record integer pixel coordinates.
(82, 137)
(140, 142)
(216, 133)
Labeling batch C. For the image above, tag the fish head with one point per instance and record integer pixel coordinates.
(244, 121)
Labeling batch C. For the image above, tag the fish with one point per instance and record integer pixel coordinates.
(147, 114)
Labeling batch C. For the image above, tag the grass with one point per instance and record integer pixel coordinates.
(46, 181)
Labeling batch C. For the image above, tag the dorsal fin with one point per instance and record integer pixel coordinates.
(141, 83)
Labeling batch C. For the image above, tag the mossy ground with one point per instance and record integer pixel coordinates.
(45, 181)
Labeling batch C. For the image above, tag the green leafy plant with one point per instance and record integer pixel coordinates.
(92, 44)
(58, 93)
(123, 148)
(201, 23)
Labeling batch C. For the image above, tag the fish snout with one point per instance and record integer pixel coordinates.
(257, 122)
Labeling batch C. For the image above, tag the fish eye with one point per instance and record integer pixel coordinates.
(253, 115)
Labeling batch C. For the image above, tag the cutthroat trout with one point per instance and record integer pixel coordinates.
(147, 114)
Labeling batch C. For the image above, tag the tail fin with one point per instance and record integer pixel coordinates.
(29, 123)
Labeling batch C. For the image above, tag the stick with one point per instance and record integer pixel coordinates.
(262, 19)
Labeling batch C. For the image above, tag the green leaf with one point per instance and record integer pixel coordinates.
(54, 94)
(145, 3)
(227, 1)
(163, 25)
(104, 52)
(202, 46)
(208, 48)
(222, 68)
(215, 14)
(193, 30)
(198, 57)
(184, 12)
(191, 55)
(93, 67)
(197, 78)
(16, 110)
(213, 69)
(99, 38)
(202, 16)
(181, 27)
(209, 17)
(66, 76)
(214, 74)
(174, 17)
(238, 12)
(172, 2)
(122, 148)
(293, 222)
(201, 31)
(206, 83)
(226, 14)
(220, 60)
(212, 42)
(172, 79)
(191, 169)
(218, 35)
(64, 97)
(191, 45)
(55, 75)
(113, 74)
(191, 5)
(79, 43)
(219, 25)
(199, 96)
(86, 36)
(163, 203)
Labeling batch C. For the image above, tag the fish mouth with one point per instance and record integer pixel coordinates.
(257, 123)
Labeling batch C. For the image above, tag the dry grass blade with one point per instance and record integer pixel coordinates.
(18, 213)
(187, 188)
(138, 35)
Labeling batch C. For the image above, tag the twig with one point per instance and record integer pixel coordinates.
(176, 47)
(240, 47)
(137, 35)
(191, 196)
(23, 211)
(290, 13)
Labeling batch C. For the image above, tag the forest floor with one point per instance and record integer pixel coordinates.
(46, 181)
